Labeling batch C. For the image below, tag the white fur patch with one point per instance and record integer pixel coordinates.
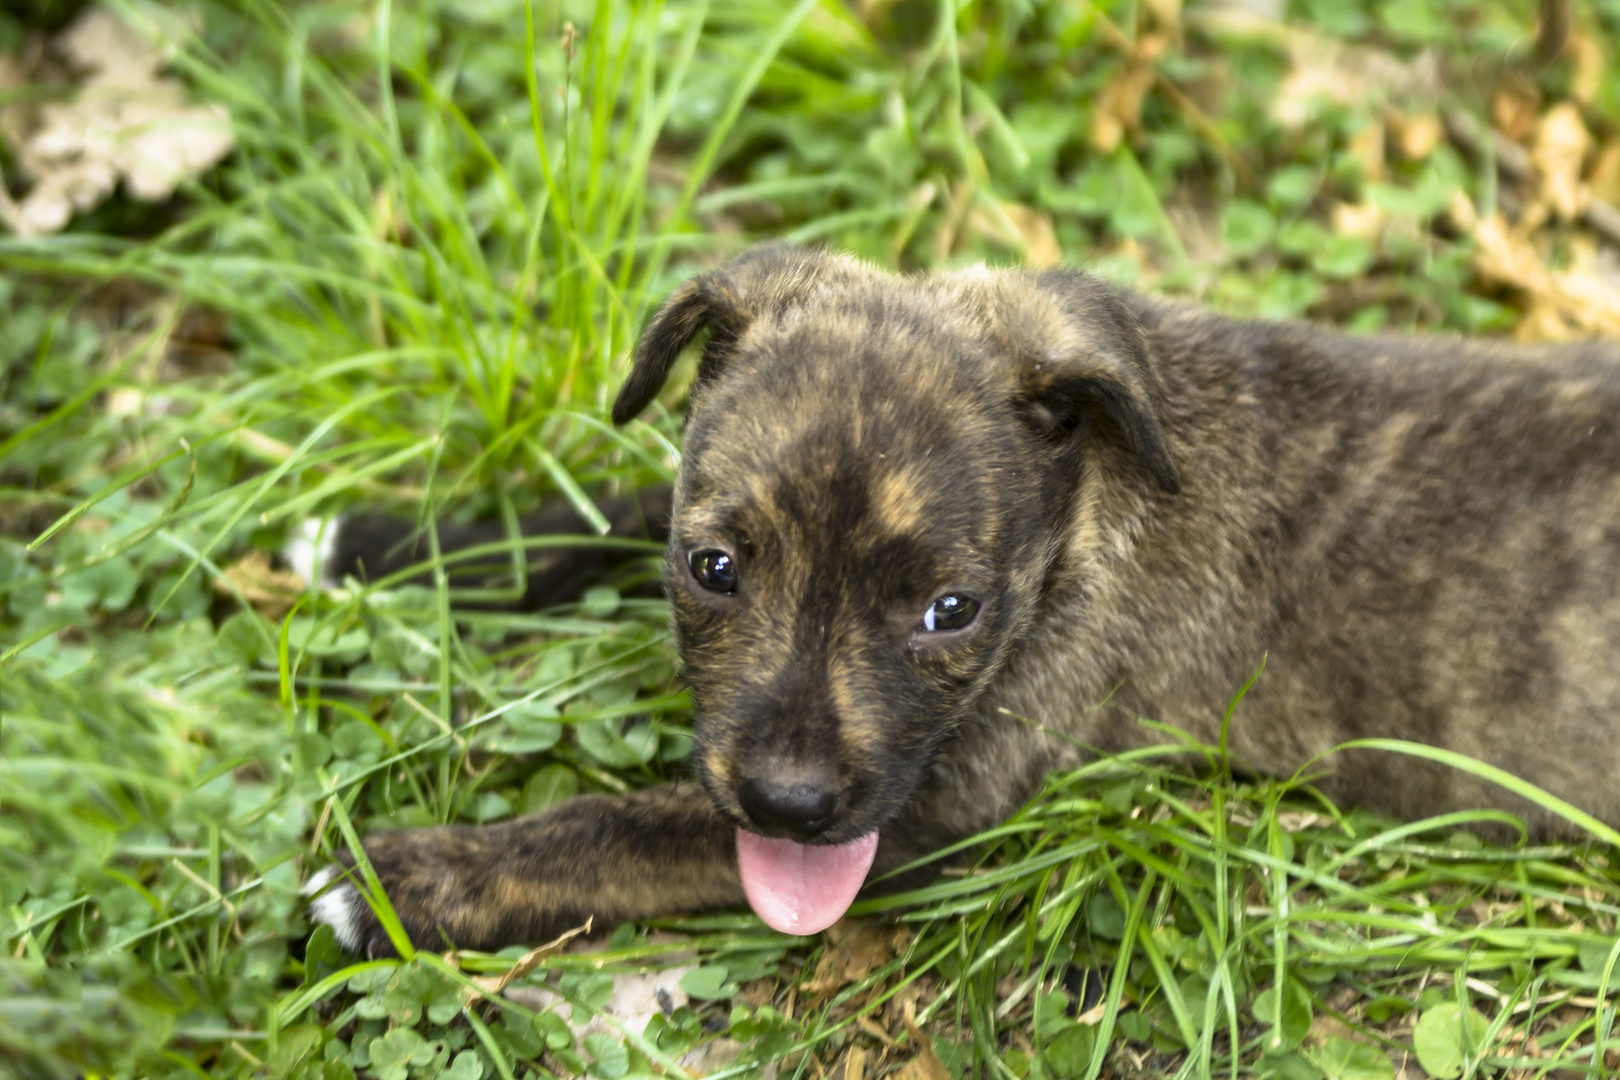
(312, 544)
(335, 907)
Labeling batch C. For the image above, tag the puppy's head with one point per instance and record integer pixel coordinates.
(875, 476)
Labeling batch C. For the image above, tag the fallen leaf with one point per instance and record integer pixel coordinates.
(1587, 59)
(492, 985)
(1558, 154)
(926, 1065)
(1118, 109)
(853, 951)
(905, 998)
(1328, 73)
(269, 591)
(1359, 219)
(1023, 227)
(1604, 179)
(1036, 231)
(1515, 106)
(126, 122)
(1299, 820)
(1571, 302)
(874, 1029)
(1167, 17)
(853, 1066)
(1461, 214)
(1418, 135)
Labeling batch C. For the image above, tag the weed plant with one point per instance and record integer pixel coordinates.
(413, 287)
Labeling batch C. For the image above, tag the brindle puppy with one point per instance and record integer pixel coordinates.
(910, 510)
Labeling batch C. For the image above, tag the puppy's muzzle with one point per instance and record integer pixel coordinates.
(800, 808)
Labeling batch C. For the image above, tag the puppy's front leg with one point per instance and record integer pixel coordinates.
(615, 857)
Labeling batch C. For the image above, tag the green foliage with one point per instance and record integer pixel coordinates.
(425, 264)
(1286, 1010)
(1347, 1059)
(708, 982)
(1447, 1037)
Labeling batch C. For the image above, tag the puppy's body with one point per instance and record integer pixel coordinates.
(1421, 536)
(1136, 503)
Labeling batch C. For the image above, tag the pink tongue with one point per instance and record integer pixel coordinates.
(801, 888)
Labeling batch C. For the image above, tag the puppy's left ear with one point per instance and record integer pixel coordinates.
(1079, 353)
(769, 278)
(708, 301)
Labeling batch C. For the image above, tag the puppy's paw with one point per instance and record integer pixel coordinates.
(309, 551)
(602, 857)
(338, 904)
(453, 886)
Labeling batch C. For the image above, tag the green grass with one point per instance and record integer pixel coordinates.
(429, 257)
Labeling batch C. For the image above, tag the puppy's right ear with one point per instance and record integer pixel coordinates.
(708, 301)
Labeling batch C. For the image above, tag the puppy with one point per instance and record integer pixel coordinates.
(913, 512)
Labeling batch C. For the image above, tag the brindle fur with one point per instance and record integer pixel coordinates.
(1420, 535)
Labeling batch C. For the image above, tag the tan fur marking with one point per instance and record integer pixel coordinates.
(898, 502)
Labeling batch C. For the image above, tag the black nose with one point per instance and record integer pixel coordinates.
(800, 809)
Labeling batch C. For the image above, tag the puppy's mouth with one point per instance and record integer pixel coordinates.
(802, 888)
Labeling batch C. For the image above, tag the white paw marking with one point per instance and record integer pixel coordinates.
(312, 543)
(335, 907)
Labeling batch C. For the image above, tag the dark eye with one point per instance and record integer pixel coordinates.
(714, 570)
(950, 613)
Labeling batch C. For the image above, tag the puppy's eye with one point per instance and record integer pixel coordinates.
(713, 569)
(950, 613)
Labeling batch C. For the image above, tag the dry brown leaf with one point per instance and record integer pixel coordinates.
(271, 592)
(1418, 135)
(1167, 18)
(853, 951)
(1587, 58)
(926, 1065)
(1461, 213)
(1359, 219)
(1558, 154)
(853, 1066)
(1604, 179)
(1571, 302)
(907, 997)
(874, 1029)
(1299, 820)
(1326, 72)
(1515, 106)
(1023, 227)
(492, 985)
(1036, 231)
(126, 123)
(1118, 109)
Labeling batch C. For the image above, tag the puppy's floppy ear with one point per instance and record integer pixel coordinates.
(708, 301)
(767, 278)
(1078, 352)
